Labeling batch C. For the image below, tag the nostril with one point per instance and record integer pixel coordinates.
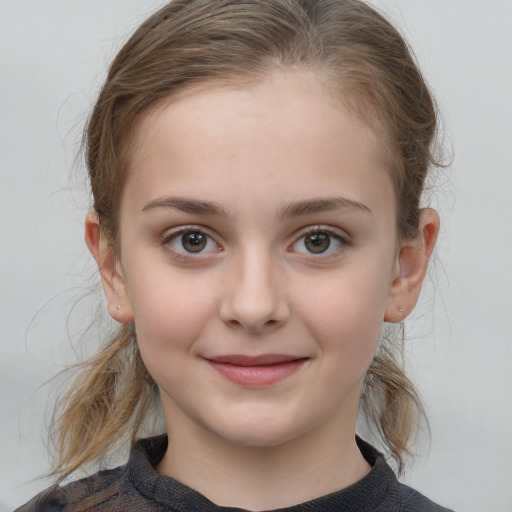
(253, 326)
(253, 299)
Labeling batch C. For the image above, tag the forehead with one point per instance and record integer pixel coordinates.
(286, 136)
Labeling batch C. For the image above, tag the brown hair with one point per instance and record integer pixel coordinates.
(189, 43)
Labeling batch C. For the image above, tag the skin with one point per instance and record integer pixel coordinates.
(257, 155)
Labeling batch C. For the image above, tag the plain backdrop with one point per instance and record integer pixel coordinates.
(53, 56)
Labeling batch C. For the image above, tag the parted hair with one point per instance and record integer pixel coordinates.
(361, 57)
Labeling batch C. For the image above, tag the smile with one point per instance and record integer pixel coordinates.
(256, 371)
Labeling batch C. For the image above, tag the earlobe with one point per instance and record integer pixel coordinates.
(411, 267)
(112, 279)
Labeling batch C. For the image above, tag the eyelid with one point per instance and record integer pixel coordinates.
(324, 228)
(173, 233)
(340, 235)
(337, 233)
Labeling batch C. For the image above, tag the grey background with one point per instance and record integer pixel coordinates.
(53, 55)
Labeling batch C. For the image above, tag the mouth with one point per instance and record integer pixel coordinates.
(255, 371)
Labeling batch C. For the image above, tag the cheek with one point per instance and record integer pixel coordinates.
(346, 316)
(169, 314)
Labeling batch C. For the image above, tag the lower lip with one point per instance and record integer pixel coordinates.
(257, 375)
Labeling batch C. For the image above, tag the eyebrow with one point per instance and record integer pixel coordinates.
(311, 206)
(186, 205)
(294, 209)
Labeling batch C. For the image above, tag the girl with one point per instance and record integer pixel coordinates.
(257, 169)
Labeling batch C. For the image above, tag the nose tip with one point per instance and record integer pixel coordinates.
(253, 319)
(254, 300)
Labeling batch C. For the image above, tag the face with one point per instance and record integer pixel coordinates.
(257, 249)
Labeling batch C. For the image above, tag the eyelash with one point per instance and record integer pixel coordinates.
(168, 238)
(341, 240)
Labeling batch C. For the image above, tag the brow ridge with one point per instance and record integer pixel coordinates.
(294, 209)
(186, 205)
(318, 205)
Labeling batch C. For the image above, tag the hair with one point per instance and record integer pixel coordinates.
(192, 43)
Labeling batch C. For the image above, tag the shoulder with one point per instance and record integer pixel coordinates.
(109, 490)
(413, 501)
(83, 494)
(388, 493)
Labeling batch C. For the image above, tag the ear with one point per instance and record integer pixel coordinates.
(112, 279)
(411, 267)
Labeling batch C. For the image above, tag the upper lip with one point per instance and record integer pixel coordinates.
(260, 360)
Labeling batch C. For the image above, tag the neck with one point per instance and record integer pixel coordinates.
(323, 460)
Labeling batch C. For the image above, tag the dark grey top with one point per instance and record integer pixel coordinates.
(138, 487)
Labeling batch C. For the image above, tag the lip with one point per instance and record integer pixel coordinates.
(255, 371)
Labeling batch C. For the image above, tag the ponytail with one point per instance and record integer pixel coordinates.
(390, 404)
(108, 401)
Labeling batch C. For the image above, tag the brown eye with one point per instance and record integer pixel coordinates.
(320, 242)
(191, 242)
(317, 243)
(194, 241)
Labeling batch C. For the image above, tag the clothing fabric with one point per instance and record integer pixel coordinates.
(138, 487)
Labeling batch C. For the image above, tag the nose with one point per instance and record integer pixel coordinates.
(254, 294)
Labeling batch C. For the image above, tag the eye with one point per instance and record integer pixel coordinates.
(319, 241)
(191, 241)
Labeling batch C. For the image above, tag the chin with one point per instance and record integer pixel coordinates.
(262, 432)
(258, 439)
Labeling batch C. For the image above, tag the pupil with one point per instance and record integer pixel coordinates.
(193, 242)
(318, 242)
